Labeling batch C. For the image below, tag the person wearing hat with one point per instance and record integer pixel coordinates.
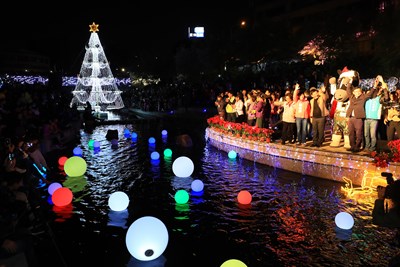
(318, 114)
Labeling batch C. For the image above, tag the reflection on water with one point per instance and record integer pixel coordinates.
(290, 221)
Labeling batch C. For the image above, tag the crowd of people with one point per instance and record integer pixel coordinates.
(298, 114)
(34, 124)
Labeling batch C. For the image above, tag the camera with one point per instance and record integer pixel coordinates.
(379, 83)
(10, 156)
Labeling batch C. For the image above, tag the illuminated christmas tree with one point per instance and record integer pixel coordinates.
(96, 83)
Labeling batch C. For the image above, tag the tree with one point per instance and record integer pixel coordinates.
(96, 84)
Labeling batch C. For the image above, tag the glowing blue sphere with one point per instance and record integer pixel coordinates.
(147, 238)
(53, 187)
(344, 220)
(232, 154)
(118, 201)
(197, 185)
(183, 167)
(164, 132)
(152, 141)
(77, 151)
(96, 145)
(155, 155)
(134, 136)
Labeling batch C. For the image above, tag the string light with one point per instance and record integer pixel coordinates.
(324, 164)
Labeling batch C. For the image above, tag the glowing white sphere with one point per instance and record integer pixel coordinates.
(147, 238)
(197, 185)
(164, 132)
(53, 187)
(118, 201)
(183, 167)
(344, 220)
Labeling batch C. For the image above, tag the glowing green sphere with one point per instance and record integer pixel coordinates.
(232, 154)
(91, 144)
(75, 166)
(181, 196)
(167, 153)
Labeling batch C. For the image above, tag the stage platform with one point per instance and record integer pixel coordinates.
(325, 162)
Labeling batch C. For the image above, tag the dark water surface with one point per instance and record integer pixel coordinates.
(290, 221)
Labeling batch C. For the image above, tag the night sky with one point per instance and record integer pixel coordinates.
(138, 28)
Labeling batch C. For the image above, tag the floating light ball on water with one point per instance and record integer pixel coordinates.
(152, 141)
(114, 142)
(155, 155)
(232, 154)
(134, 136)
(164, 132)
(344, 220)
(53, 187)
(147, 238)
(96, 145)
(244, 197)
(183, 167)
(62, 196)
(77, 151)
(233, 263)
(75, 166)
(118, 201)
(90, 143)
(127, 133)
(167, 153)
(181, 196)
(197, 185)
(62, 160)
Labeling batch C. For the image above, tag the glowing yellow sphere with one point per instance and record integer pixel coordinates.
(75, 166)
(233, 263)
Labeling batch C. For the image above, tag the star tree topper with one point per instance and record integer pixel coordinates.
(94, 27)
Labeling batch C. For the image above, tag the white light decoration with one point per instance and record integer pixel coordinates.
(96, 83)
(197, 185)
(183, 167)
(344, 220)
(147, 238)
(118, 201)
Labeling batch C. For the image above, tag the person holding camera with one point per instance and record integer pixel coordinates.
(386, 212)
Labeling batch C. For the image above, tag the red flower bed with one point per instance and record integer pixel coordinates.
(242, 130)
(382, 159)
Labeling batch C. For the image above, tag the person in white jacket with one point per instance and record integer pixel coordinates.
(240, 117)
